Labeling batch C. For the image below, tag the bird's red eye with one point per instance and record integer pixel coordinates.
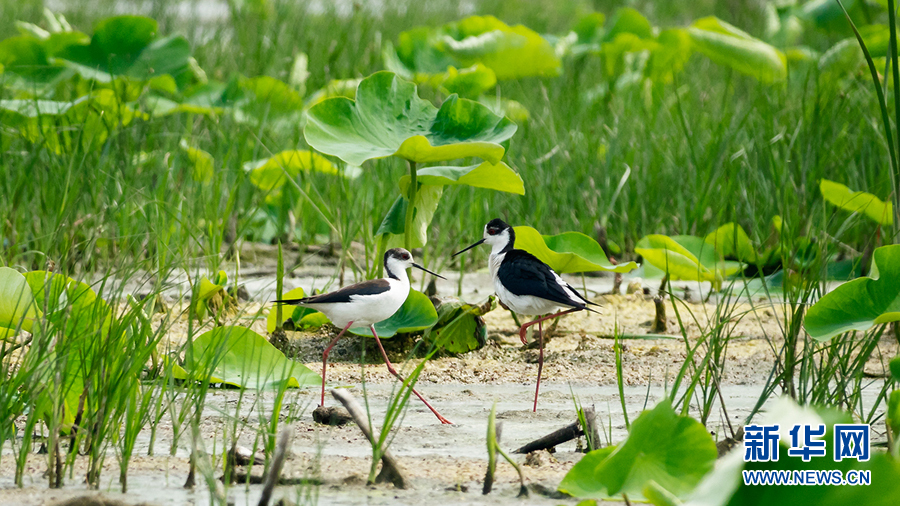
(492, 231)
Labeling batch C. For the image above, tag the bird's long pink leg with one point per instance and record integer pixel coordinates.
(393, 371)
(540, 363)
(325, 359)
(539, 320)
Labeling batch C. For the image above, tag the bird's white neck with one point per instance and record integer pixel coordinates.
(397, 274)
(496, 249)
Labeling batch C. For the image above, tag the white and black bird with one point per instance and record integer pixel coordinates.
(367, 303)
(527, 285)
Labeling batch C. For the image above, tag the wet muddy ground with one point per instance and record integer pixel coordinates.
(446, 463)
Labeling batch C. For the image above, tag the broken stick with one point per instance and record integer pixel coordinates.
(284, 439)
(390, 471)
(558, 437)
(567, 433)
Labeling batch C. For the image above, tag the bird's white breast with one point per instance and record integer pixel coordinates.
(365, 310)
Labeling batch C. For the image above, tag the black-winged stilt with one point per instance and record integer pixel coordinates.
(527, 285)
(367, 303)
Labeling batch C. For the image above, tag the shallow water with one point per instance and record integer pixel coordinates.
(436, 456)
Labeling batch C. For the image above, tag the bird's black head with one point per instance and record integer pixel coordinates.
(397, 260)
(398, 253)
(496, 226)
(498, 231)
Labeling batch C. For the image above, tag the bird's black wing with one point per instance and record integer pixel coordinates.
(524, 274)
(371, 287)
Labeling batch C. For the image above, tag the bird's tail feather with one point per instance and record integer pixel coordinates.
(290, 301)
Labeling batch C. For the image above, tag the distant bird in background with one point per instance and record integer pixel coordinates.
(367, 303)
(527, 285)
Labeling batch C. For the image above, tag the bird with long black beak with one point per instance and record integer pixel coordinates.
(367, 303)
(527, 285)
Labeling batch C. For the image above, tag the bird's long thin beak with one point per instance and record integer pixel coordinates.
(417, 266)
(467, 249)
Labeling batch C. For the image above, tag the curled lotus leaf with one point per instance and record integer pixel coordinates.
(389, 119)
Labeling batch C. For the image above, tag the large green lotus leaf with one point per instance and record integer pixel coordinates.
(670, 55)
(71, 304)
(37, 108)
(209, 98)
(730, 240)
(732, 47)
(265, 96)
(168, 55)
(584, 36)
(122, 45)
(288, 312)
(59, 125)
(161, 106)
(841, 58)
(17, 307)
(513, 110)
(672, 450)
(240, 357)
(117, 42)
(567, 252)
(685, 257)
(268, 174)
(431, 182)
(862, 303)
(510, 51)
(724, 485)
(427, 199)
(26, 56)
(469, 82)
(336, 88)
(829, 16)
(416, 313)
(388, 118)
(394, 222)
(628, 20)
(493, 176)
(613, 53)
(202, 163)
(418, 52)
(857, 202)
(581, 481)
(70, 374)
(588, 26)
